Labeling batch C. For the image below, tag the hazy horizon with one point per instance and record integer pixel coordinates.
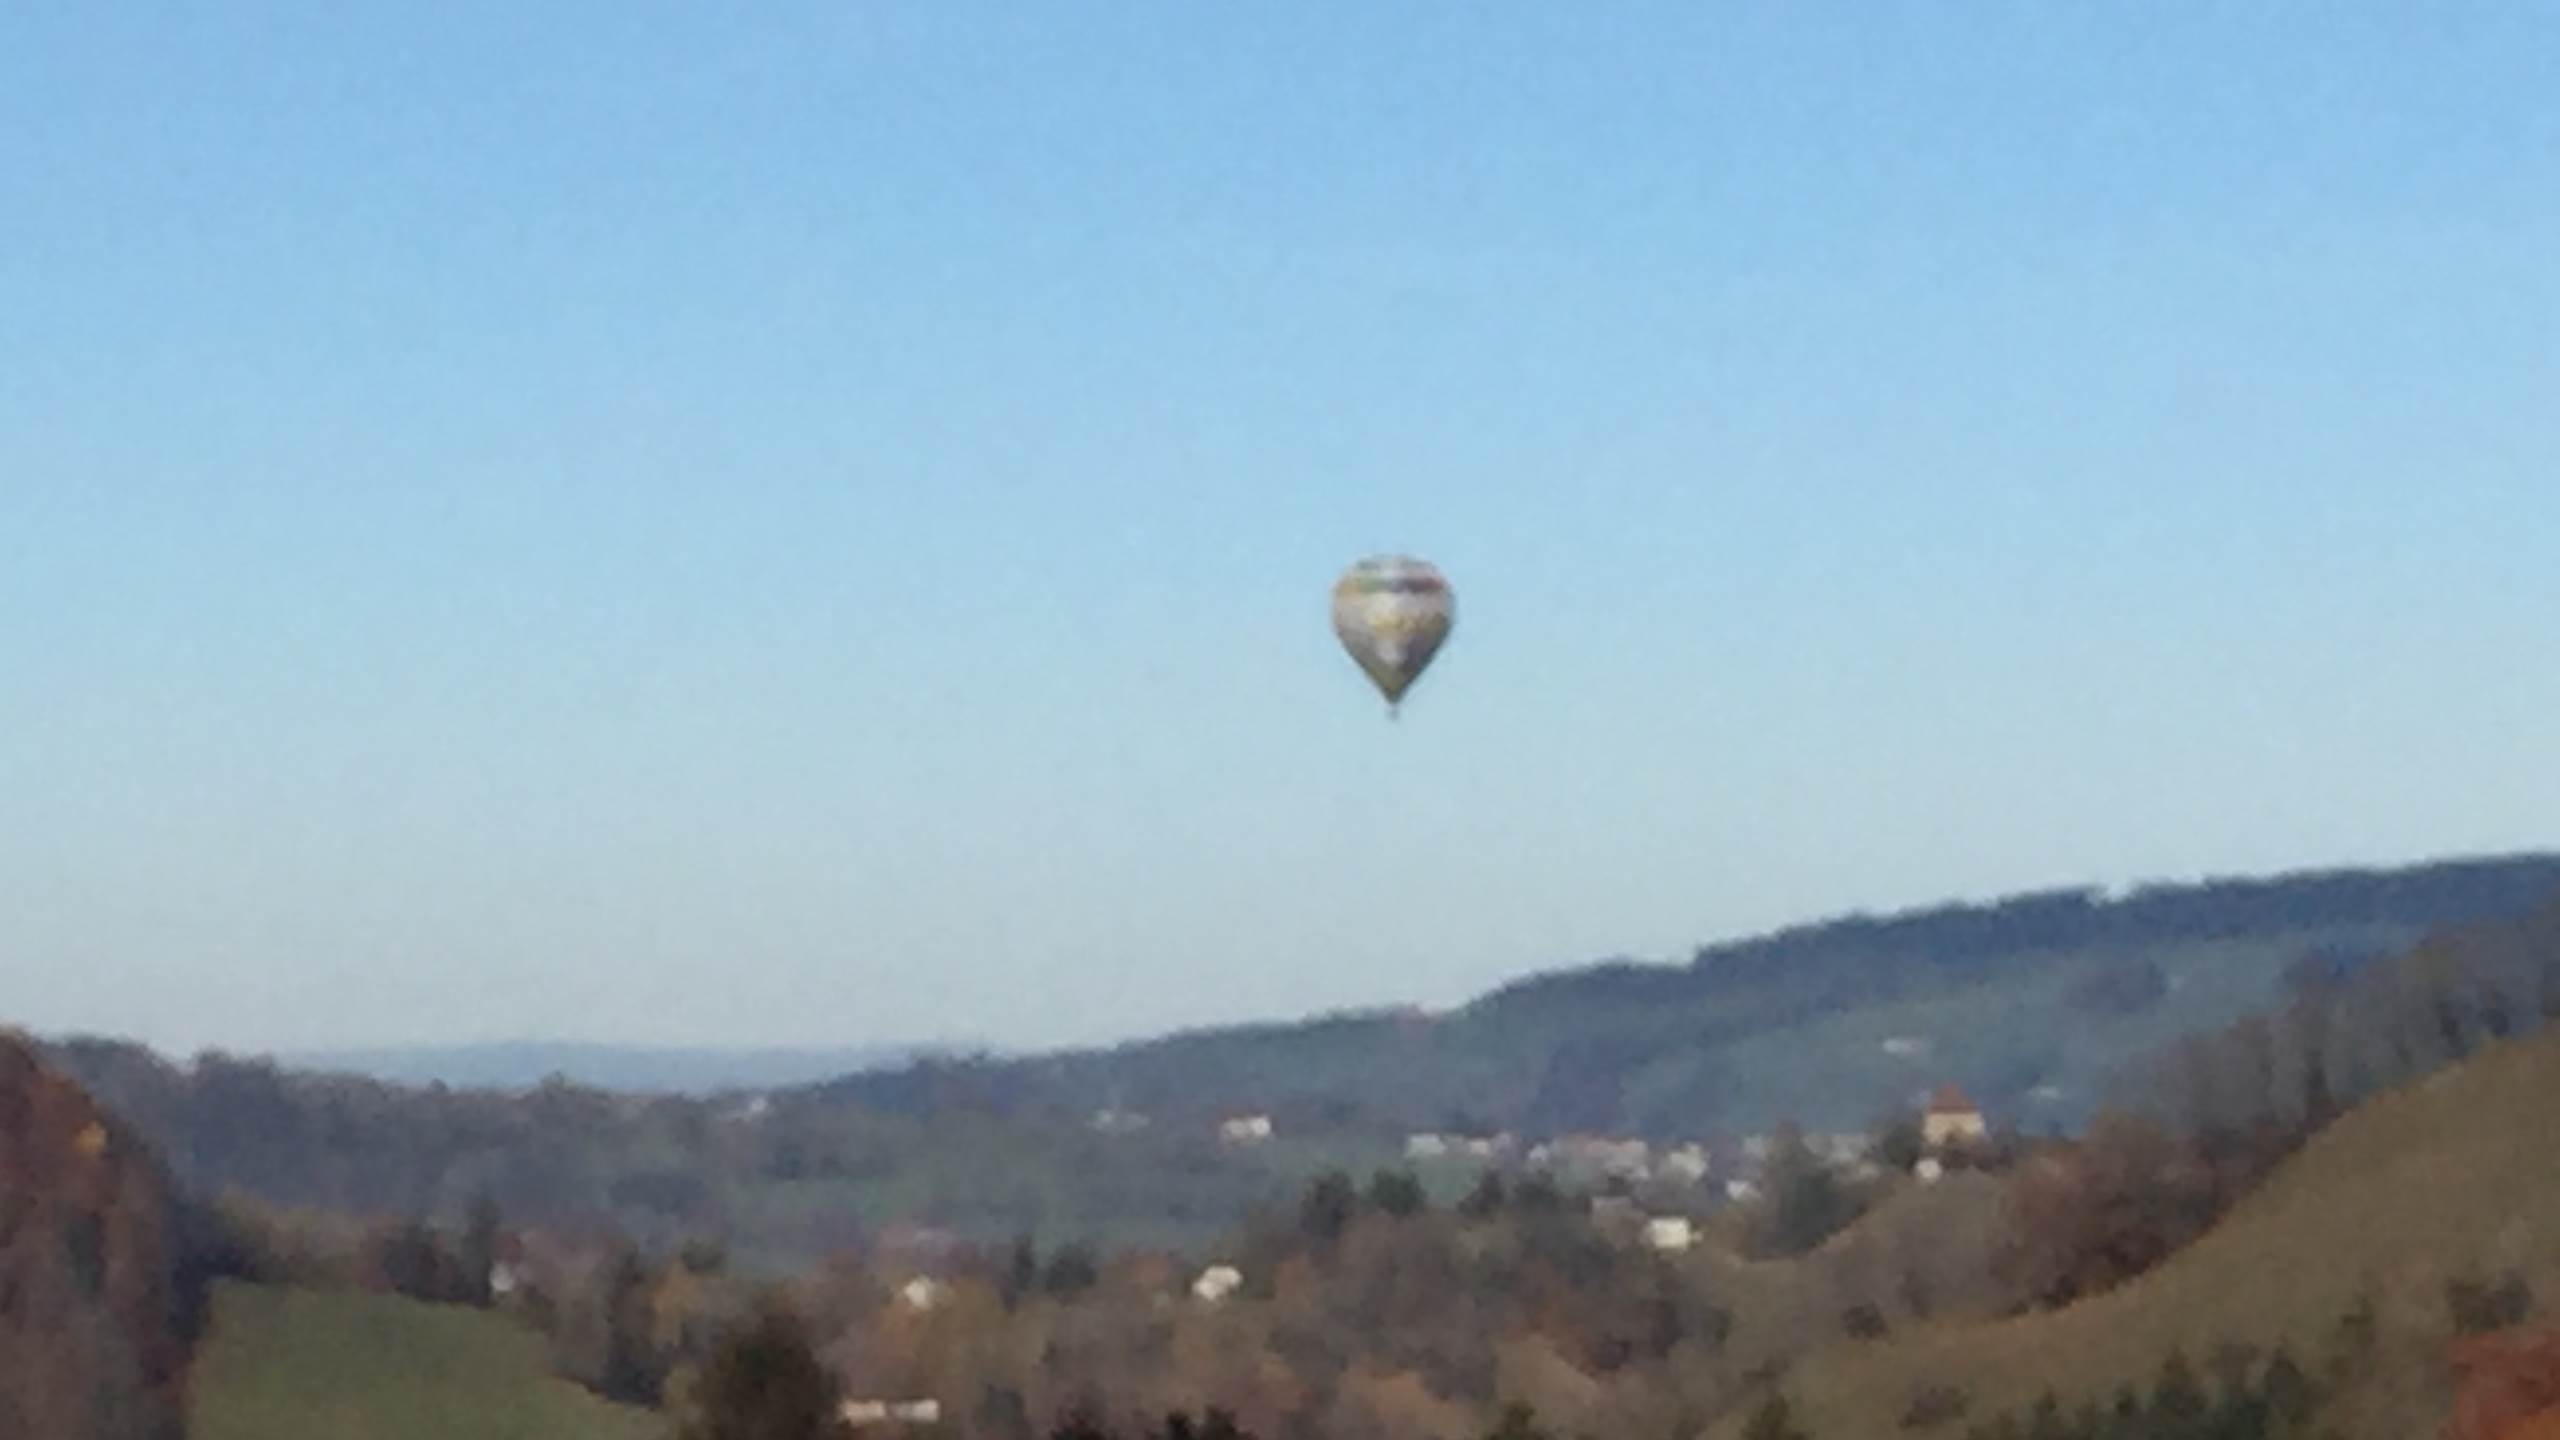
(812, 527)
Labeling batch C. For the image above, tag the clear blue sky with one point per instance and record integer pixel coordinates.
(810, 523)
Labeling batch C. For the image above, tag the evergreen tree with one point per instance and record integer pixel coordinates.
(632, 1371)
(2289, 1395)
(1774, 1420)
(1021, 1273)
(1807, 1203)
(1079, 1423)
(1393, 1192)
(2045, 1421)
(478, 1253)
(2353, 1339)
(1071, 1271)
(1898, 1141)
(2178, 1400)
(1327, 1208)
(764, 1382)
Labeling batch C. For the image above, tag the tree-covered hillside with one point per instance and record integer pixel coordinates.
(2033, 1004)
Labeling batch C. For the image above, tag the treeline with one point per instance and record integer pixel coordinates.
(664, 1169)
(2246, 1398)
(2348, 1031)
(2243, 1393)
(301, 1140)
(2081, 918)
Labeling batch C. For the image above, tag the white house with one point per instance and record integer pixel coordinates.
(878, 1412)
(1629, 1159)
(1741, 1192)
(1672, 1233)
(923, 1293)
(1930, 1170)
(1425, 1147)
(1687, 1163)
(1245, 1129)
(1906, 1047)
(1217, 1283)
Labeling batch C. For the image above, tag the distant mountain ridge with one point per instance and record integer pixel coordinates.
(647, 1069)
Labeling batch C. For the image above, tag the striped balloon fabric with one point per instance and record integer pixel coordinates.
(1392, 612)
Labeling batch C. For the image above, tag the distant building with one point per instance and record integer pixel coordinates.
(1687, 1163)
(1741, 1192)
(1840, 1150)
(1425, 1147)
(1625, 1159)
(1118, 1122)
(1245, 1129)
(1952, 1120)
(923, 1293)
(1906, 1047)
(1930, 1170)
(859, 1413)
(1217, 1283)
(1670, 1233)
(925, 1247)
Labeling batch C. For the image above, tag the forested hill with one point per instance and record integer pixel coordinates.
(2032, 1002)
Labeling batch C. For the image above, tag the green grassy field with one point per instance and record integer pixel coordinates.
(305, 1365)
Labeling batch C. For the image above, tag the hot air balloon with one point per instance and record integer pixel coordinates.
(1392, 612)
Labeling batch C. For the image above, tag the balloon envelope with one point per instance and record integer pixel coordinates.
(1392, 612)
